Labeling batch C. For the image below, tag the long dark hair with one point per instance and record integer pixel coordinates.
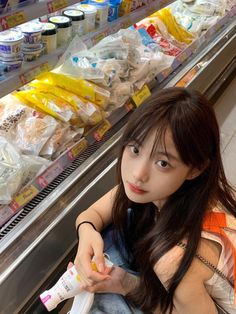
(149, 234)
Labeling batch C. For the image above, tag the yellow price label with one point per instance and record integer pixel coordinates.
(102, 130)
(98, 37)
(140, 96)
(26, 195)
(57, 5)
(13, 20)
(78, 148)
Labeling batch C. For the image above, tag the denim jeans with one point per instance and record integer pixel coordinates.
(111, 303)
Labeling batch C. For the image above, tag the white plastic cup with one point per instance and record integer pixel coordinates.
(10, 43)
(78, 21)
(49, 37)
(32, 32)
(90, 12)
(64, 28)
(102, 7)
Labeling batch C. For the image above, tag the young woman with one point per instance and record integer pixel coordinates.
(172, 216)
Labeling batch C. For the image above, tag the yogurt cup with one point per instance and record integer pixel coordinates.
(12, 65)
(10, 43)
(49, 37)
(102, 7)
(32, 32)
(32, 54)
(90, 12)
(64, 28)
(78, 21)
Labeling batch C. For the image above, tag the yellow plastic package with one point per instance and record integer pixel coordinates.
(80, 87)
(89, 113)
(173, 27)
(47, 103)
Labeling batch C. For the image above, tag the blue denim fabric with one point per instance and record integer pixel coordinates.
(111, 303)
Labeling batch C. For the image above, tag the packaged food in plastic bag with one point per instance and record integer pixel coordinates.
(11, 171)
(11, 112)
(48, 103)
(61, 137)
(173, 27)
(195, 23)
(89, 113)
(24, 127)
(33, 166)
(207, 7)
(79, 87)
(166, 46)
(33, 132)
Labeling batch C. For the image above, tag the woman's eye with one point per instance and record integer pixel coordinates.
(134, 149)
(163, 164)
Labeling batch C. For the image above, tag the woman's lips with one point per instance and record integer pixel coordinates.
(136, 189)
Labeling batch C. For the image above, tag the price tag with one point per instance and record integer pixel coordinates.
(32, 73)
(26, 195)
(49, 175)
(13, 20)
(102, 130)
(77, 149)
(140, 96)
(56, 5)
(129, 106)
(98, 37)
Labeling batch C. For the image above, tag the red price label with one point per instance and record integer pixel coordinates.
(12, 20)
(49, 175)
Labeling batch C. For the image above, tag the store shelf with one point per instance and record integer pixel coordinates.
(58, 166)
(30, 70)
(30, 10)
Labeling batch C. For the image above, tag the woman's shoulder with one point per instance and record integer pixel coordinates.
(169, 263)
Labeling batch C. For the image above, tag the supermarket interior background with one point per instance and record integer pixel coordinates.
(71, 74)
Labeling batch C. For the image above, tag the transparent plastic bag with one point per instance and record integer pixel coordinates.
(11, 171)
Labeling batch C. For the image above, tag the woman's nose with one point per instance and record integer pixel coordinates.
(141, 172)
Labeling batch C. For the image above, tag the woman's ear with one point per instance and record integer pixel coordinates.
(195, 172)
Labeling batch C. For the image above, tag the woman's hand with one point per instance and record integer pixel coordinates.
(90, 247)
(110, 285)
(120, 282)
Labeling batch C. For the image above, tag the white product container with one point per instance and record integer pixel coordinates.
(10, 43)
(102, 7)
(68, 286)
(90, 12)
(32, 54)
(32, 32)
(49, 37)
(78, 21)
(64, 28)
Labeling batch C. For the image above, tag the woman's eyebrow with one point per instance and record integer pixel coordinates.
(166, 154)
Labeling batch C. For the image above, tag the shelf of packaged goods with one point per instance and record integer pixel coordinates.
(98, 132)
(30, 70)
(29, 10)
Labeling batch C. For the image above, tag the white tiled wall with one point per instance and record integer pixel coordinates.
(225, 109)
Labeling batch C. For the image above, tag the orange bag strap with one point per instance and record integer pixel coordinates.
(216, 222)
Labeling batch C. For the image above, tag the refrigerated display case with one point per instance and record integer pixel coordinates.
(38, 228)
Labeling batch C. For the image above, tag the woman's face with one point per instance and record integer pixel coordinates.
(154, 178)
